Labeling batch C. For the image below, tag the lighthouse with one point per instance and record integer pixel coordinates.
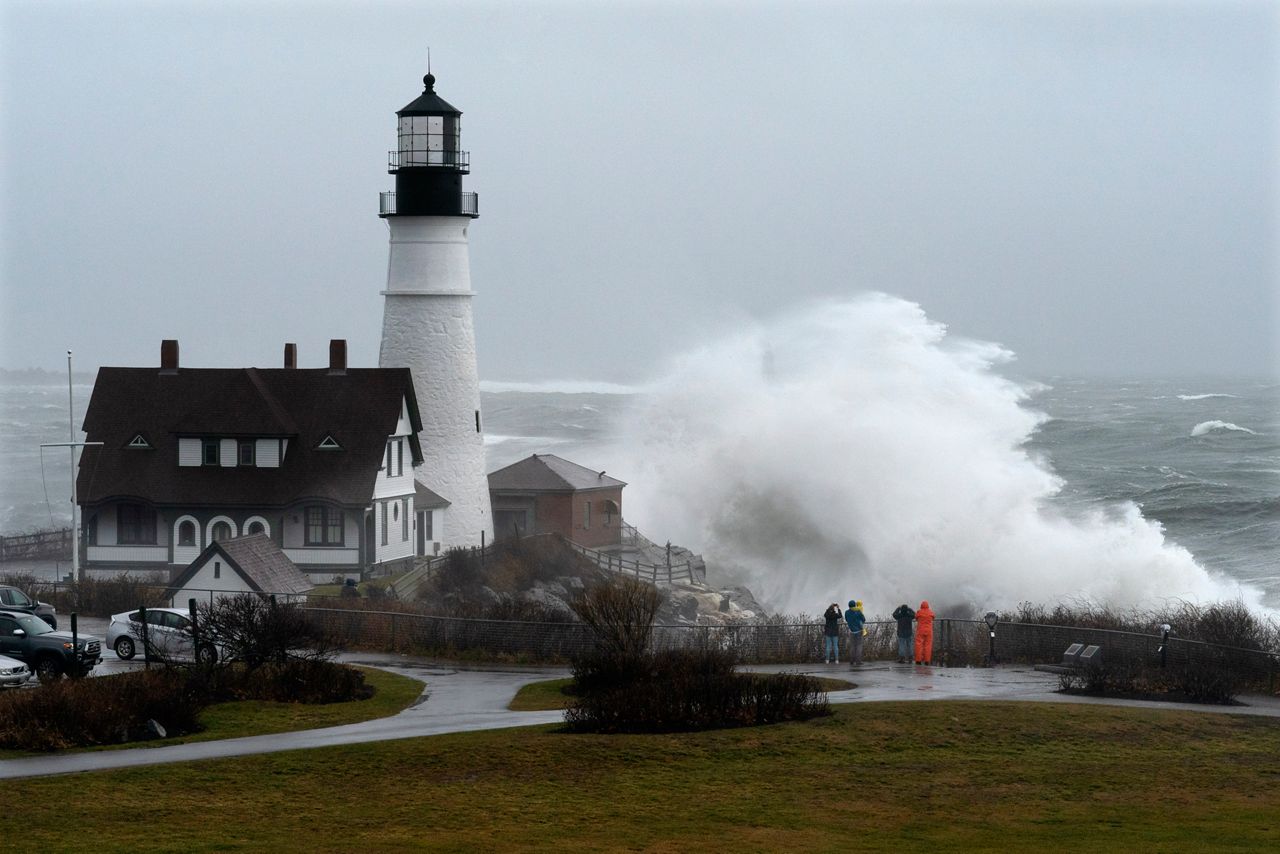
(426, 321)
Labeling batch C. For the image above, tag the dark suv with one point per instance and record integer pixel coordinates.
(49, 652)
(13, 599)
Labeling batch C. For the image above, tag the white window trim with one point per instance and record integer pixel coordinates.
(178, 524)
(266, 526)
(208, 529)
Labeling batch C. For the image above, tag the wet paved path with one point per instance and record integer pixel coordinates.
(461, 699)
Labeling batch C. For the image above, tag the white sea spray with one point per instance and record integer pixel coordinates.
(854, 449)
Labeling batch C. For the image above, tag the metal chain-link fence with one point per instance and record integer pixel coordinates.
(956, 643)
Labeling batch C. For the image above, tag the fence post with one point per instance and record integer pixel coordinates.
(393, 630)
(146, 645)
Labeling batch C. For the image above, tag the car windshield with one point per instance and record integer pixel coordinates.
(34, 625)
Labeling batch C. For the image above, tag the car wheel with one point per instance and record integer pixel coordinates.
(125, 648)
(48, 669)
(207, 655)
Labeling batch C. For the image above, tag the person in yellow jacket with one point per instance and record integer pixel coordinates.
(924, 633)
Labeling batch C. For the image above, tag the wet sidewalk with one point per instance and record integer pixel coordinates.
(463, 699)
(884, 681)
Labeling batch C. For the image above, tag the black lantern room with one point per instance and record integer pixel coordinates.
(428, 161)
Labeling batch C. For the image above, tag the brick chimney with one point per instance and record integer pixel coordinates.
(338, 356)
(169, 356)
(291, 355)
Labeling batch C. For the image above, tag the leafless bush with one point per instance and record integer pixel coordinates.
(676, 690)
(620, 613)
(84, 712)
(98, 597)
(1225, 623)
(257, 631)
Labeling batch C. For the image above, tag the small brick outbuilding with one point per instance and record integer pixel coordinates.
(548, 494)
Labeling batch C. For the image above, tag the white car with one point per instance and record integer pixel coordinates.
(168, 632)
(13, 673)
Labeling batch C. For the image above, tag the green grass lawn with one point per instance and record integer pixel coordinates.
(548, 695)
(393, 693)
(328, 591)
(937, 776)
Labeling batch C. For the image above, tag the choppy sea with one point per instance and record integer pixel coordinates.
(1200, 457)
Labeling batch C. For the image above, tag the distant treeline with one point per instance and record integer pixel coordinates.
(40, 376)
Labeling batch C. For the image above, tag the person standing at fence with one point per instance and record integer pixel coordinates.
(857, 631)
(924, 634)
(831, 633)
(904, 616)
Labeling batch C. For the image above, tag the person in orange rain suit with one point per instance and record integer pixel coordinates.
(924, 634)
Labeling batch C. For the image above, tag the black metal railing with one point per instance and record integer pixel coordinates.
(468, 204)
(452, 159)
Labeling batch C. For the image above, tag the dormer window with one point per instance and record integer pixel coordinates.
(210, 453)
(139, 442)
(329, 444)
(246, 449)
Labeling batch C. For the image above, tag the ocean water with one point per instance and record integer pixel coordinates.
(860, 450)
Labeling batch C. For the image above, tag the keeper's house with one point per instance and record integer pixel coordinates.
(546, 494)
(318, 460)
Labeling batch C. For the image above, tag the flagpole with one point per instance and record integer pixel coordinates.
(71, 439)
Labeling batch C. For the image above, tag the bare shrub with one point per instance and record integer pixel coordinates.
(311, 681)
(86, 712)
(97, 597)
(1226, 623)
(257, 631)
(464, 582)
(681, 690)
(620, 613)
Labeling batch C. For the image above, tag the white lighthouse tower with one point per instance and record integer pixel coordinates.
(426, 322)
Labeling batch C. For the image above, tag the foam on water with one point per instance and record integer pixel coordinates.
(854, 449)
(1205, 427)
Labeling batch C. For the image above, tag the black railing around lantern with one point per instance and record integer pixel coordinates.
(469, 204)
(460, 160)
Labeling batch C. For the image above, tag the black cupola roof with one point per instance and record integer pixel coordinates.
(429, 103)
(428, 161)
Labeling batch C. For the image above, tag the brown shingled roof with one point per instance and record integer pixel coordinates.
(549, 473)
(359, 408)
(257, 560)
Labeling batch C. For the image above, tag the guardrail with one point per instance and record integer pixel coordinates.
(956, 643)
(39, 545)
(397, 159)
(468, 204)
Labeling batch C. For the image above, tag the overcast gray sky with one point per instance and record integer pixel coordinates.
(1093, 185)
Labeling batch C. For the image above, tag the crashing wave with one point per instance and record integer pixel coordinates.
(854, 449)
(1205, 427)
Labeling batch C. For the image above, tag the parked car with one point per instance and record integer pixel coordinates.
(13, 673)
(47, 651)
(13, 599)
(168, 632)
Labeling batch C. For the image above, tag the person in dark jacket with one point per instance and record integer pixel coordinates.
(857, 630)
(831, 631)
(904, 616)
